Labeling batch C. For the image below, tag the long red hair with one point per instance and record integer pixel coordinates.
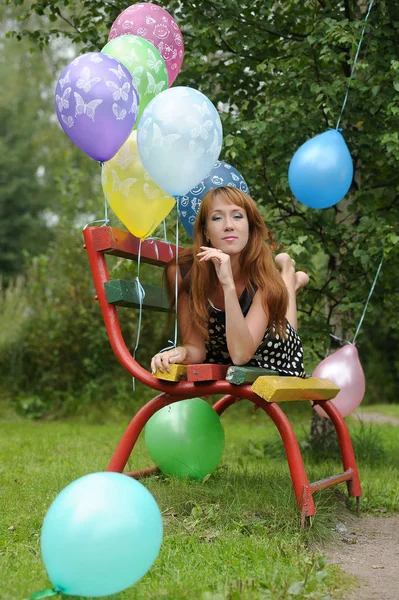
(256, 261)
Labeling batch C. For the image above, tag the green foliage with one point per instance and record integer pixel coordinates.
(58, 359)
(278, 73)
(23, 196)
(13, 308)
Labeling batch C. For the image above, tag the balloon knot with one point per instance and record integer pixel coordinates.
(48, 593)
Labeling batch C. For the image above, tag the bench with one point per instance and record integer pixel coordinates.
(265, 389)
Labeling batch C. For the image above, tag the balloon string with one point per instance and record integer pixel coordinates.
(176, 274)
(340, 339)
(149, 230)
(368, 299)
(153, 240)
(173, 343)
(105, 220)
(141, 291)
(141, 294)
(48, 593)
(164, 232)
(354, 62)
(364, 310)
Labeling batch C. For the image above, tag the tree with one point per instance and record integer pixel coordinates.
(278, 72)
(22, 194)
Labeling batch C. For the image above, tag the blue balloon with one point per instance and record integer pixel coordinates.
(321, 170)
(221, 174)
(101, 534)
(179, 138)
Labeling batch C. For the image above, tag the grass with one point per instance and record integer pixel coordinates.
(234, 536)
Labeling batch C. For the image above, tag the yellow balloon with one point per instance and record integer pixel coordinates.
(134, 197)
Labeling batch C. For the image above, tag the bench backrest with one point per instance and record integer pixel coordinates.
(120, 292)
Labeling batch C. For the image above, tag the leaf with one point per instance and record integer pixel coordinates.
(393, 238)
(297, 249)
(296, 588)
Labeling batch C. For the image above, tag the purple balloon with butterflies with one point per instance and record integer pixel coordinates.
(97, 103)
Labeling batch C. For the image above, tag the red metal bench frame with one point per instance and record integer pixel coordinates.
(100, 241)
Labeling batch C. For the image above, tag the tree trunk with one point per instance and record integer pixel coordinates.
(322, 434)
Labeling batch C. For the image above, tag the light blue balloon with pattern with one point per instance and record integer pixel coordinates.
(222, 174)
(179, 138)
(321, 170)
(101, 534)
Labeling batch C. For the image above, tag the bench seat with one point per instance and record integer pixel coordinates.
(265, 383)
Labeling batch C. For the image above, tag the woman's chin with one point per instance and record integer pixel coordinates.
(231, 248)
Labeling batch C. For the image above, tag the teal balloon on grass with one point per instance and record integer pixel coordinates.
(185, 439)
(101, 534)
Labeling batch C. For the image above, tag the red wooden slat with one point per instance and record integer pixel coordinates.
(206, 372)
(110, 240)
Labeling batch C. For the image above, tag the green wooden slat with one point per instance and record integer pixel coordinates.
(121, 292)
(239, 375)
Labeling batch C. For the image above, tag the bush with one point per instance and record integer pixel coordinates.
(55, 356)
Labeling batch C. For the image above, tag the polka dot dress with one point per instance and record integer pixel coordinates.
(282, 355)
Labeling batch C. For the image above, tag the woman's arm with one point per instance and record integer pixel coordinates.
(193, 349)
(243, 334)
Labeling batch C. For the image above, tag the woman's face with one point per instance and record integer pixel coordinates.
(227, 226)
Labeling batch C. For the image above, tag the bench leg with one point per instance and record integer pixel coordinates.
(300, 482)
(223, 404)
(346, 448)
(135, 427)
(296, 466)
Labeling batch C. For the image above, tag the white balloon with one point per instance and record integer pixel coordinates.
(179, 138)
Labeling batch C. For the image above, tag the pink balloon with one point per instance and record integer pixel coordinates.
(344, 369)
(156, 25)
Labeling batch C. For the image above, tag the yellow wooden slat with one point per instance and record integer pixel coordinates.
(177, 372)
(285, 389)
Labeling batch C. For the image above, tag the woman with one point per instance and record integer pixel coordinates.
(234, 306)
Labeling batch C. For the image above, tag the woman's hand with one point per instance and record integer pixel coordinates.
(162, 360)
(221, 263)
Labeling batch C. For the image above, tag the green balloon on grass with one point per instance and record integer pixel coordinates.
(145, 64)
(185, 439)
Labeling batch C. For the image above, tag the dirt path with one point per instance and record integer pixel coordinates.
(369, 549)
(371, 417)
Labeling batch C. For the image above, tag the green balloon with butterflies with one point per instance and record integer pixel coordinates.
(145, 64)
